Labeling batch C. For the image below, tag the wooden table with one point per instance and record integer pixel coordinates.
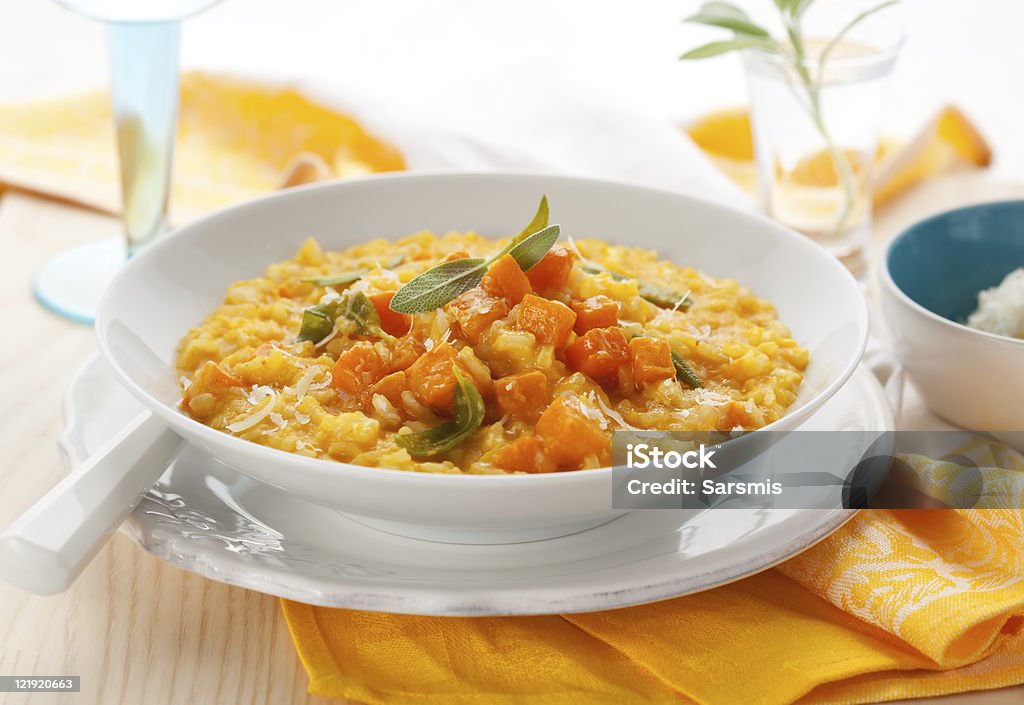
(134, 628)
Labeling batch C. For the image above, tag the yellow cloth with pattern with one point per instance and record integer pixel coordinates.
(236, 140)
(896, 604)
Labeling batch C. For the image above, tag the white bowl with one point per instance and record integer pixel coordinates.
(930, 281)
(176, 282)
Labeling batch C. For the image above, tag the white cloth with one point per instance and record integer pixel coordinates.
(531, 116)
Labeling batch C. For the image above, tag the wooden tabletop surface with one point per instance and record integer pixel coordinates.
(134, 628)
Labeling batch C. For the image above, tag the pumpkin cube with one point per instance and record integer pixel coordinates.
(549, 321)
(391, 387)
(651, 359)
(525, 454)
(392, 322)
(552, 272)
(432, 380)
(506, 280)
(570, 435)
(599, 353)
(357, 369)
(522, 395)
(406, 351)
(595, 312)
(475, 311)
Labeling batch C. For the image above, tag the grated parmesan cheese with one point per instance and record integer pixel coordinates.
(613, 414)
(265, 399)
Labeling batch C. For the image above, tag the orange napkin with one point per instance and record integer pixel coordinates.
(948, 142)
(236, 140)
(896, 604)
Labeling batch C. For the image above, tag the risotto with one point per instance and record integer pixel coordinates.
(504, 371)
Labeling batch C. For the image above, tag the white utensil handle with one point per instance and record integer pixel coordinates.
(45, 549)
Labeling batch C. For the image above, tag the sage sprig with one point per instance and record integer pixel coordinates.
(437, 286)
(469, 414)
(793, 52)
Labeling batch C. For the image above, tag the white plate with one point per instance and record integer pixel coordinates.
(205, 517)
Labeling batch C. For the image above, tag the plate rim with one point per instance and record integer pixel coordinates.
(429, 600)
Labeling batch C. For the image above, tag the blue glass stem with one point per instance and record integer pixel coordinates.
(144, 89)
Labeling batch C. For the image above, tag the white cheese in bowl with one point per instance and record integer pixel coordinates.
(1001, 308)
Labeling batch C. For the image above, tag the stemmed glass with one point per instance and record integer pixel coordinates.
(142, 40)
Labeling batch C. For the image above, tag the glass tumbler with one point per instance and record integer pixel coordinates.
(816, 133)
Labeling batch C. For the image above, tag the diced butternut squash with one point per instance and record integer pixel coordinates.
(474, 311)
(525, 454)
(432, 380)
(210, 378)
(651, 359)
(393, 323)
(406, 351)
(391, 387)
(552, 272)
(549, 321)
(599, 353)
(522, 395)
(569, 434)
(357, 369)
(506, 280)
(596, 312)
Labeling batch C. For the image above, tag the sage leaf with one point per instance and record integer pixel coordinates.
(728, 16)
(539, 221)
(355, 274)
(726, 45)
(663, 297)
(660, 296)
(439, 285)
(318, 322)
(532, 249)
(684, 373)
(339, 279)
(469, 414)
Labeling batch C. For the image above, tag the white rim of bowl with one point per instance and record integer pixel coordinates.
(334, 468)
(890, 283)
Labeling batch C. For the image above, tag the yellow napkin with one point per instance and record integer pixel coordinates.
(946, 143)
(895, 604)
(236, 140)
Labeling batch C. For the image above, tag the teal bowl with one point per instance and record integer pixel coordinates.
(930, 281)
